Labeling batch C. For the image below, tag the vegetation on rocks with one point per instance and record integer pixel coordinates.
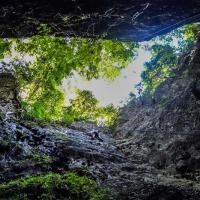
(5, 45)
(67, 186)
(154, 151)
(39, 157)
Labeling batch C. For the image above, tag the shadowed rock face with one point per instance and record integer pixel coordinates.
(28, 149)
(136, 20)
(165, 133)
(8, 94)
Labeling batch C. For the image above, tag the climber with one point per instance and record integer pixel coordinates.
(196, 90)
(140, 91)
(95, 135)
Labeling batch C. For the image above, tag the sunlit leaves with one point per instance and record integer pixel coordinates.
(90, 58)
(165, 52)
(86, 107)
(56, 58)
(4, 47)
(159, 68)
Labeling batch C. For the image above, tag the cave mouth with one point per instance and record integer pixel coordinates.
(80, 113)
(84, 79)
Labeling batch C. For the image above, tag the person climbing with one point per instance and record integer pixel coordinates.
(95, 135)
(140, 91)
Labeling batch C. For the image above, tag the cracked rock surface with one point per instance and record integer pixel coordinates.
(129, 20)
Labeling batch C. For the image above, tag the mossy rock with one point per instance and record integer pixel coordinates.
(40, 157)
(53, 186)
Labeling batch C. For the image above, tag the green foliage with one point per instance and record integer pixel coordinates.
(4, 47)
(56, 58)
(108, 115)
(186, 36)
(43, 29)
(160, 67)
(67, 186)
(86, 107)
(39, 157)
(181, 38)
(166, 51)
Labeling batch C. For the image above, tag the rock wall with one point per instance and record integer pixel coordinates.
(8, 94)
(130, 20)
(165, 133)
(27, 149)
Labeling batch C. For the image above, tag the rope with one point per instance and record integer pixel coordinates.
(182, 22)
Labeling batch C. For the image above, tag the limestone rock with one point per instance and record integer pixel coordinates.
(130, 20)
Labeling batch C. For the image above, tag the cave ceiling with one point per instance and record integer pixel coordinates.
(129, 20)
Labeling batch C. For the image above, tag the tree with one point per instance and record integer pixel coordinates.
(159, 68)
(166, 51)
(56, 58)
(83, 106)
(86, 107)
(5, 45)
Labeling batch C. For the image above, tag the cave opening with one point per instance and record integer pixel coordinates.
(99, 100)
(83, 79)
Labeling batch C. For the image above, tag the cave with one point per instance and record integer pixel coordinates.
(57, 146)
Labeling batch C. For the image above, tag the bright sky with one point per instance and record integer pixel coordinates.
(115, 92)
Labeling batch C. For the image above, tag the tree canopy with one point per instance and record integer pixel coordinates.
(165, 51)
(42, 62)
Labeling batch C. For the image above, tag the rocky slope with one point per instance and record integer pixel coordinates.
(163, 131)
(155, 154)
